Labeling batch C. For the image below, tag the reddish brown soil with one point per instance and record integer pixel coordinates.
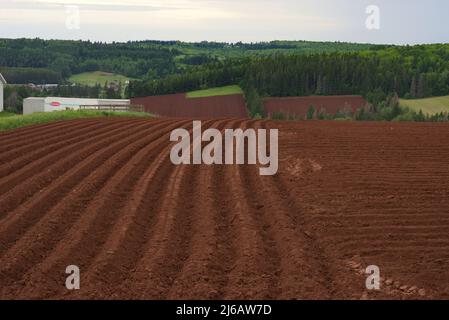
(298, 106)
(178, 105)
(102, 194)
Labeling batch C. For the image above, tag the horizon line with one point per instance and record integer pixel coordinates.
(222, 42)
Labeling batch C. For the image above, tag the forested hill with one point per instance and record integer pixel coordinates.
(410, 71)
(278, 68)
(65, 58)
(53, 61)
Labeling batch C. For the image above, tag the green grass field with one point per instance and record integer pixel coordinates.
(17, 121)
(97, 77)
(221, 91)
(6, 114)
(429, 105)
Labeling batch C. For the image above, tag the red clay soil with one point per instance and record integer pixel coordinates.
(298, 106)
(102, 194)
(178, 105)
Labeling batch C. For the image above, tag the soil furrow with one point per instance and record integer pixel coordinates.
(18, 193)
(18, 134)
(347, 195)
(20, 220)
(89, 191)
(116, 257)
(21, 168)
(20, 146)
(204, 273)
(302, 273)
(168, 240)
(252, 275)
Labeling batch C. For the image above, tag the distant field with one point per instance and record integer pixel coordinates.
(428, 105)
(97, 77)
(221, 91)
(179, 106)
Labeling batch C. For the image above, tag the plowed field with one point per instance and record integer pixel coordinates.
(180, 106)
(102, 194)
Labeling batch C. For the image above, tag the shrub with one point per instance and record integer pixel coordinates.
(310, 113)
(278, 116)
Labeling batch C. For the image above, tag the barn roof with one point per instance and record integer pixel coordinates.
(2, 80)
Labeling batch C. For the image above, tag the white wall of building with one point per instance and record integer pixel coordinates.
(1, 96)
(59, 104)
(32, 105)
(117, 102)
(50, 104)
(2, 86)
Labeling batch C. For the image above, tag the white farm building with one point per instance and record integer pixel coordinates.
(49, 104)
(2, 84)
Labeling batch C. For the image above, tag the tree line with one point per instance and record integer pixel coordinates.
(214, 74)
(30, 75)
(407, 71)
(411, 72)
(146, 60)
(66, 57)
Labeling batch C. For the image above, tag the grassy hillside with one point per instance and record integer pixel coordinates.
(97, 77)
(13, 122)
(429, 105)
(220, 91)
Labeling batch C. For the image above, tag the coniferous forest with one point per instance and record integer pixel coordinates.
(411, 72)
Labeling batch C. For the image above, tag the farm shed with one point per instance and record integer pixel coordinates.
(49, 104)
(2, 84)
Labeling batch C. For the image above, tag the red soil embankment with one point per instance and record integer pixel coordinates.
(178, 105)
(298, 106)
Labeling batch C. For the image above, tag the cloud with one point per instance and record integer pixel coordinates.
(91, 5)
(403, 21)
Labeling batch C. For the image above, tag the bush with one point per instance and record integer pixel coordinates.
(343, 118)
(278, 116)
(311, 113)
(254, 102)
(419, 117)
(409, 116)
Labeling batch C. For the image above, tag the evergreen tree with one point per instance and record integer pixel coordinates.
(421, 88)
(413, 88)
(311, 113)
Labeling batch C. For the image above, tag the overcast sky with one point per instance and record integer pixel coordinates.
(401, 21)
